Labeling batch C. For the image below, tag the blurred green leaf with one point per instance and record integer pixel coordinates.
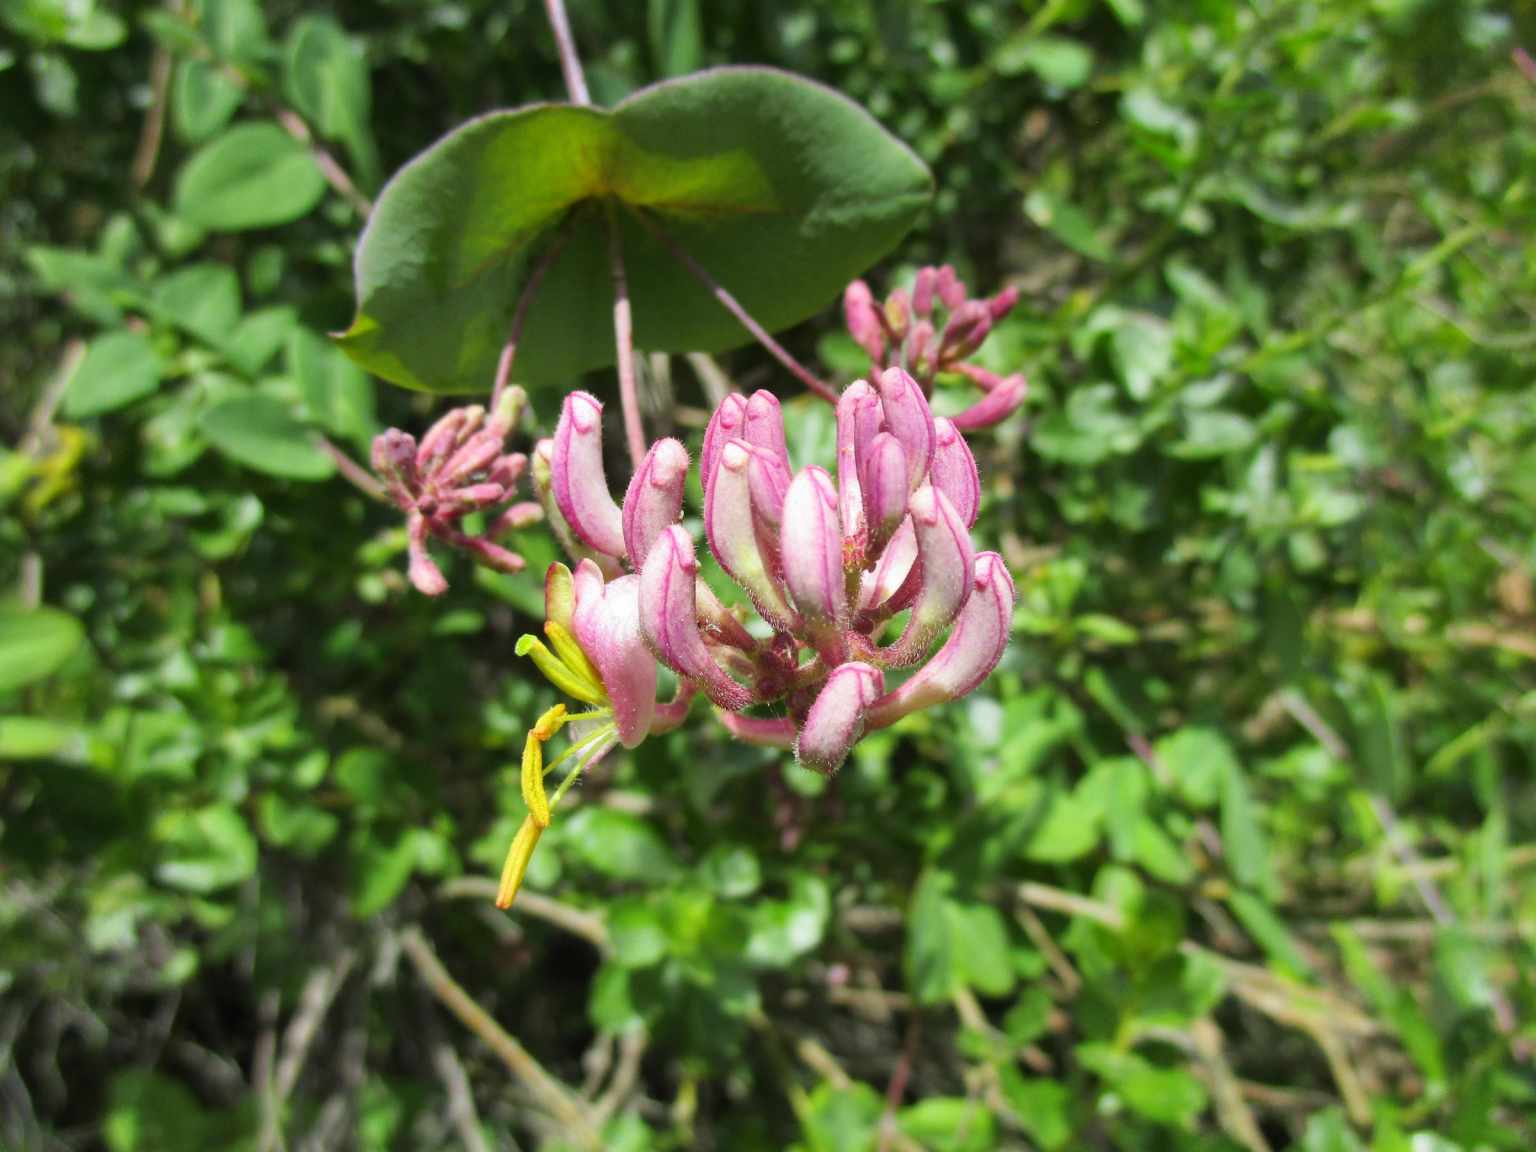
(252, 176)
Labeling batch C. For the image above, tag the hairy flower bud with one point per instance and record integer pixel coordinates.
(975, 645)
(724, 426)
(945, 558)
(858, 422)
(669, 619)
(729, 526)
(996, 406)
(909, 419)
(863, 321)
(954, 470)
(580, 485)
(836, 718)
(923, 289)
(765, 425)
(812, 547)
(885, 479)
(654, 500)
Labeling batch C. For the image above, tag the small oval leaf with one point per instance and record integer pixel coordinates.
(259, 432)
(253, 176)
(33, 645)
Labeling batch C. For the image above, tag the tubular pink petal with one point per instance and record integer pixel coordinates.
(897, 560)
(858, 422)
(947, 557)
(580, 486)
(812, 547)
(475, 454)
(953, 471)
(541, 469)
(441, 438)
(1003, 303)
(607, 626)
(975, 645)
(769, 731)
(923, 289)
(724, 426)
(732, 537)
(423, 570)
(765, 425)
(909, 419)
(967, 329)
(951, 288)
(863, 321)
(996, 406)
(885, 489)
(654, 500)
(669, 620)
(836, 719)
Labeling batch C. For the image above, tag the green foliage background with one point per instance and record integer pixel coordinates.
(1234, 851)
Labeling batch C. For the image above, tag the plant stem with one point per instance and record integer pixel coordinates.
(570, 62)
(624, 339)
(743, 317)
(558, 1100)
(335, 175)
(520, 315)
(355, 474)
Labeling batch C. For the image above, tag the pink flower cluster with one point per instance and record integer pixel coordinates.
(828, 565)
(906, 331)
(461, 466)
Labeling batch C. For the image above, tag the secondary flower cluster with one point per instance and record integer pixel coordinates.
(905, 331)
(461, 466)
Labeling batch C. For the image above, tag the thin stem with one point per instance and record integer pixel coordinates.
(570, 62)
(556, 1099)
(520, 315)
(578, 748)
(153, 132)
(358, 476)
(624, 339)
(743, 317)
(335, 175)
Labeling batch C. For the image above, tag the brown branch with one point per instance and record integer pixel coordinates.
(153, 132)
(798, 370)
(554, 1097)
(588, 925)
(353, 472)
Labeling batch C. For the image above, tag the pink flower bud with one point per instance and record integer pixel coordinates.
(812, 547)
(732, 538)
(910, 420)
(765, 425)
(836, 719)
(975, 645)
(953, 471)
(922, 290)
(724, 426)
(655, 497)
(966, 331)
(1003, 303)
(920, 349)
(945, 557)
(885, 489)
(475, 454)
(768, 731)
(441, 438)
(858, 422)
(423, 571)
(580, 486)
(606, 623)
(996, 406)
(892, 571)
(768, 481)
(951, 288)
(898, 313)
(669, 618)
(541, 470)
(863, 321)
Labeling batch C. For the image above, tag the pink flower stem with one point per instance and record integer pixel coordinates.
(520, 314)
(734, 307)
(570, 62)
(624, 338)
(358, 476)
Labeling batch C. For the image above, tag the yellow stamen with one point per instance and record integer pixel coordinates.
(568, 650)
(518, 855)
(551, 722)
(558, 674)
(533, 780)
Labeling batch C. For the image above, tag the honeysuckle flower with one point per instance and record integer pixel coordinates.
(461, 466)
(829, 565)
(906, 331)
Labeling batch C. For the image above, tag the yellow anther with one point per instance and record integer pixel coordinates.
(551, 722)
(533, 780)
(570, 652)
(558, 674)
(523, 844)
